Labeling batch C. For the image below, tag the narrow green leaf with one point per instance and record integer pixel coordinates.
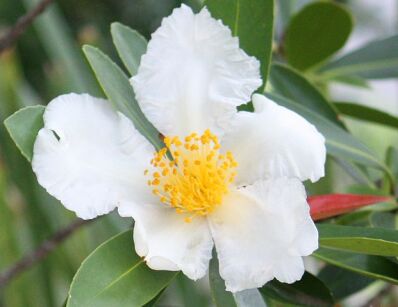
(341, 282)
(384, 219)
(371, 266)
(114, 275)
(119, 91)
(375, 60)
(367, 113)
(130, 45)
(339, 143)
(23, 127)
(365, 240)
(290, 84)
(253, 22)
(309, 291)
(315, 33)
(220, 296)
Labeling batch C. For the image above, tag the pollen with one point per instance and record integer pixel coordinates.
(196, 178)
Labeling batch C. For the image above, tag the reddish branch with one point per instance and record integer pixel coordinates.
(23, 22)
(41, 252)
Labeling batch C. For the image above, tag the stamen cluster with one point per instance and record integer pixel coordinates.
(196, 178)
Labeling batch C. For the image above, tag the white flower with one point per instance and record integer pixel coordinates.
(236, 177)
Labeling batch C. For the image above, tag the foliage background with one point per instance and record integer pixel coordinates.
(48, 61)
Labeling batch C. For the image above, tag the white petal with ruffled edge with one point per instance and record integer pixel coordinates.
(168, 242)
(98, 160)
(283, 142)
(193, 75)
(255, 231)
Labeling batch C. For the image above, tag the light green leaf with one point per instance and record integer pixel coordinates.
(365, 240)
(309, 291)
(130, 45)
(339, 143)
(366, 113)
(375, 60)
(114, 275)
(220, 296)
(371, 266)
(253, 22)
(119, 91)
(23, 127)
(315, 33)
(290, 84)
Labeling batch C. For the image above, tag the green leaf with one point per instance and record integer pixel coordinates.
(339, 143)
(119, 91)
(220, 296)
(23, 127)
(371, 266)
(253, 22)
(366, 113)
(365, 240)
(375, 60)
(309, 291)
(130, 45)
(290, 84)
(341, 282)
(383, 219)
(315, 33)
(114, 275)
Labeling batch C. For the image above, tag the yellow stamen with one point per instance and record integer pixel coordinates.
(198, 178)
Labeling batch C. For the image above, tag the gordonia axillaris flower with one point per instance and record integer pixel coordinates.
(234, 179)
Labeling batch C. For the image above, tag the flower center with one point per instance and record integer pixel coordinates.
(197, 177)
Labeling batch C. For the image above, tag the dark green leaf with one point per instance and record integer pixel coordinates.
(23, 127)
(290, 84)
(315, 33)
(384, 219)
(129, 44)
(371, 266)
(114, 275)
(338, 142)
(309, 291)
(375, 60)
(252, 21)
(119, 91)
(367, 113)
(341, 282)
(366, 240)
(220, 296)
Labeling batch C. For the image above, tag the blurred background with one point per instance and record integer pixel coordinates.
(47, 61)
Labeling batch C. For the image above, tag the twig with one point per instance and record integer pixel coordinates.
(41, 252)
(20, 26)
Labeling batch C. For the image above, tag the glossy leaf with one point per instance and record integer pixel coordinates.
(315, 33)
(341, 282)
(290, 84)
(220, 296)
(309, 291)
(371, 266)
(325, 206)
(365, 240)
(253, 22)
(375, 60)
(119, 91)
(339, 143)
(367, 113)
(23, 127)
(130, 45)
(114, 275)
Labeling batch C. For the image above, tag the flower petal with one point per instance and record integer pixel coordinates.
(258, 232)
(193, 75)
(275, 142)
(88, 156)
(168, 242)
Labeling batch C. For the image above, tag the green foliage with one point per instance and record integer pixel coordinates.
(251, 21)
(114, 275)
(315, 33)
